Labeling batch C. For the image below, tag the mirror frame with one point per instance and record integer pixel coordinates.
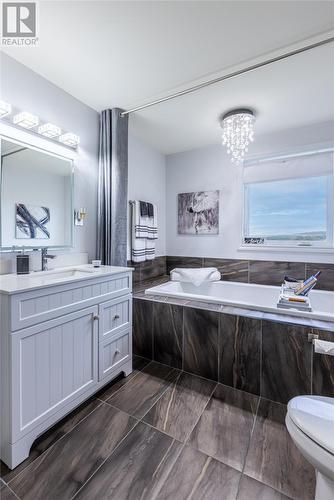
(43, 145)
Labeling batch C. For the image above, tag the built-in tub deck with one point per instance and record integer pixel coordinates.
(265, 353)
(243, 299)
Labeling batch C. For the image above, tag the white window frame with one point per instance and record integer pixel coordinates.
(327, 244)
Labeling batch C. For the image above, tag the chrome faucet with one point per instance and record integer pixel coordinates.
(45, 256)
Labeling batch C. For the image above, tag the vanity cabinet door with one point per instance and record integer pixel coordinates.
(53, 363)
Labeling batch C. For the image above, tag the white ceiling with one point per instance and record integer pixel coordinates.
(123, 54)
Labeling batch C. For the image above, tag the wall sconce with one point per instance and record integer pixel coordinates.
(79, 216)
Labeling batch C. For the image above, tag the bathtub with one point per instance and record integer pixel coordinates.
(247, 296)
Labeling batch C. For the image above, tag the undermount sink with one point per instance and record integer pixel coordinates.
(47, 276)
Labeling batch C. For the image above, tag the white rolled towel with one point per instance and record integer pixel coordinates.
(196, 276)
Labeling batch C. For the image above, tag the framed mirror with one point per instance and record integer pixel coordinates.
(36, 208)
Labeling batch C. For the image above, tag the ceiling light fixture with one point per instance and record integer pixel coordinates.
(70, 139)
(5, 109)
(26, 120)
(238, 132)
(49, 130)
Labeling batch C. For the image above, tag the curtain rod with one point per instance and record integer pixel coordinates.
(287, 156)
(230, 75)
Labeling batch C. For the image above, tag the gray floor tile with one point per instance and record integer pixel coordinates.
(51, 436)
(140, 394)
(178, 410)
(250, 489)
(61, 471)
(138, 364)
(6, 493)
(225, 426)
(273, 459)
(196, 476)
(137, 469)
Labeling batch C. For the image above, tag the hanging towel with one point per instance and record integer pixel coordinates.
(138, 221)
(150, 210)
(143, 208)
(150, 249)
(152, 223)
(145, 226)
(196, 276)
(143, 231)
(138, 244)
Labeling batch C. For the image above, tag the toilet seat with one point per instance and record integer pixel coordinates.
(314, 416)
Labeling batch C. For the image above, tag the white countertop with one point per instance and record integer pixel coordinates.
(13, 283)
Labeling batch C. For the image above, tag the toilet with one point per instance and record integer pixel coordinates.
(310, 423)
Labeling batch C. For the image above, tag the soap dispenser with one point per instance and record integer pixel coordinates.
(22, 263)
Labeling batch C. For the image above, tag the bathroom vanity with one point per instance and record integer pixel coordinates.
(64, 334)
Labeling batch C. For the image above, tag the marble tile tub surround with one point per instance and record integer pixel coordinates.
(267, 358)
(195, 439)
(148, 269)
(258, 271)
(244, 271)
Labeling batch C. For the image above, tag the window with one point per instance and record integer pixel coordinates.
(290, 212)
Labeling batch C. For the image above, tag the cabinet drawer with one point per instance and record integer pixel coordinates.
(35, 306)
(115, 315)
(114, 352)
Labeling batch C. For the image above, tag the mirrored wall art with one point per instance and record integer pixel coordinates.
(32, 222)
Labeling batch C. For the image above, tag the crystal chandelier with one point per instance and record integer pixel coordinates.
(238, 132)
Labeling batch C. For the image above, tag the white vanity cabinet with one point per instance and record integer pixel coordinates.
(59, 344)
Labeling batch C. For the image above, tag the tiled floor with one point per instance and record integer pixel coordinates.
(164, 434)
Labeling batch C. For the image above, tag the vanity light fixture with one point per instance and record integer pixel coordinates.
(238, 132)
(49, 130)
(70, 139)
(26, 120)
(5, 109)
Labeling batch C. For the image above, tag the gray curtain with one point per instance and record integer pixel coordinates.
(112, 188)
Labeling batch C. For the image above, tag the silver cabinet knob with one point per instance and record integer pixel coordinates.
(96, 317)
(116, 316)
(117, 351)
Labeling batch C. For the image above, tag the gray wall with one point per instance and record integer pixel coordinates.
(28, 91)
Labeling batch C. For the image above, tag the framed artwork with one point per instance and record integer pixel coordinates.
(198, 213)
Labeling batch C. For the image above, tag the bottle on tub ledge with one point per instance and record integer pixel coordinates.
(307, 285)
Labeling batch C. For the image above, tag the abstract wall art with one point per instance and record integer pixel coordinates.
(198, 212)
(31, 222)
